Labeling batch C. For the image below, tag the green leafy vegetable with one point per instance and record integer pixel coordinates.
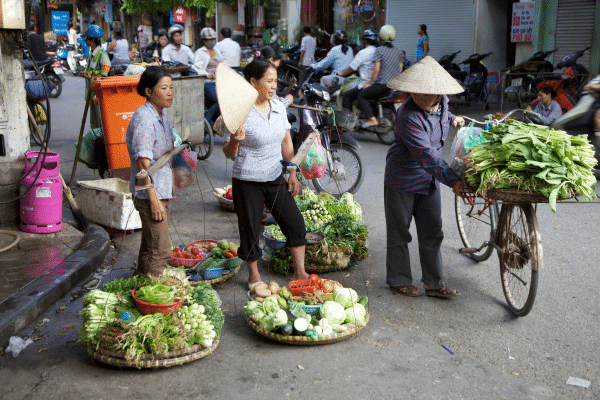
(160, 293)
(203, 295)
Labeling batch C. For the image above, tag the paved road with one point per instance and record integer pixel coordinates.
(399, 355)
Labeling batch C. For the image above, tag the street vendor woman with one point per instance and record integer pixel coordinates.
(150, 135)
(258, 145)
(413, 172)
(98, 64)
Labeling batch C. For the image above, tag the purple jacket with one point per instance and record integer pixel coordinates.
(414, 160)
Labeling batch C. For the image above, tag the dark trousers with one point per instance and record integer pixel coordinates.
(375, 91)
(349, 98)
(400, 208)
(250, 198)
(155, 249)
(302, 75)
(211, 105)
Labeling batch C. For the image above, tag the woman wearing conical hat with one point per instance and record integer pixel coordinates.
(413, 173)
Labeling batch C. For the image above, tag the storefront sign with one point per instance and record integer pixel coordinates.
(60, 22)
(522, 22)
(52, 4)
(179, 15)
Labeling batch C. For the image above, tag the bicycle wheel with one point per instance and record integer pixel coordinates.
(345, 172)
(476, 224)
(521, 258)
(41, 118)
(206, 147)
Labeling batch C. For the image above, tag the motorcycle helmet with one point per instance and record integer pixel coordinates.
(93, 31)
(387, 33)
(339, 37)
(208, 34)
(370, 36)
(175, 29)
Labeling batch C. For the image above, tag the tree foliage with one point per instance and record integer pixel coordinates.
(141, 6)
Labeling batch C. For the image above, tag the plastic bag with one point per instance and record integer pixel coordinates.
(314, 164)
(184, 168)
(465, 139)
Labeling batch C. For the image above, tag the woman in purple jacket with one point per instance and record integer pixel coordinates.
(413, 172)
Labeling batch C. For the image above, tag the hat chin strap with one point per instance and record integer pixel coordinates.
(437, 103)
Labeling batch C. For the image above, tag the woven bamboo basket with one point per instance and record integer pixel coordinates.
(163, 360)
(509, 196)
(307, 340)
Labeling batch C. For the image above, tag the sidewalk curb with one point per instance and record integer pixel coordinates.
(25, 306)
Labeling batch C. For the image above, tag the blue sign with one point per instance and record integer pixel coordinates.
(60, 22)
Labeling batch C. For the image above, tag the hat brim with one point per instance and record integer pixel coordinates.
(235, 96)
(426, 77)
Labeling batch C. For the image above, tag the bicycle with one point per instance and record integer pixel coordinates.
(510, 228)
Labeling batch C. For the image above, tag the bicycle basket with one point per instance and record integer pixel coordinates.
(344, 119)
(35, 89)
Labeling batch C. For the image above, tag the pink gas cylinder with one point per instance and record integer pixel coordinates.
(41, 206)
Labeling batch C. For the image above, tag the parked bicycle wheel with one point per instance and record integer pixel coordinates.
(344, 173)
(476, 225)
(521, 257)
(206, 147)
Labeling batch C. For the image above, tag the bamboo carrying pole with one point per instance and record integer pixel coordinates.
(85, 112)
(82, 222)
(161, 162)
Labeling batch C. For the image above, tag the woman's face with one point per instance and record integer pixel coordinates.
(425, 101)
(177, 38)
(161, 95)
(163, 41)
(419, 31)
(276, 63)
(267, 85)
(546, 98)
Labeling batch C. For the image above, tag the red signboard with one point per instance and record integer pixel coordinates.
(179, 15)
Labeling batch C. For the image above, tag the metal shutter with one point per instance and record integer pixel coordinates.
(450, 26)
(574, 29)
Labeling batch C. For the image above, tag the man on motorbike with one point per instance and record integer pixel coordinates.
(176, 51)
(548, 109)
(37, 47)
(338, 58)
(363, 63)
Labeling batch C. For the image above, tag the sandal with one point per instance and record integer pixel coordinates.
(408, 290)
(443, 293)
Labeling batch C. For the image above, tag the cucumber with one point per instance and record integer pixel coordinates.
(300, 325)
(287, 329)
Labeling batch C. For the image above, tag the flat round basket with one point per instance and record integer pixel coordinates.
(307, 340)
(225, 204)
(508, 196)
(164, 360)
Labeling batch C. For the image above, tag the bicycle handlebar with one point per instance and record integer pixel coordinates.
(501, 120)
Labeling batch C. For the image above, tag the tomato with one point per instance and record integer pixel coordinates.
(314, 280)
(195, 251)
(176, 250)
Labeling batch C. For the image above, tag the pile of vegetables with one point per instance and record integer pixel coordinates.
(199, 321)
(342, 309)
(217, 256)
(533, 158)
(225, 192)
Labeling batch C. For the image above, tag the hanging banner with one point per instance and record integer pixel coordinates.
(146, 19)
(108, 14)
(52, 4)
(60, 22)
(179, 15)
(522, 22)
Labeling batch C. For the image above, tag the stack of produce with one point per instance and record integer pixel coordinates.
(199, 321)
(221, 256)
(533, 158)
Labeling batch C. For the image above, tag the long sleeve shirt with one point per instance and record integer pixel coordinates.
(414, 161)
(548, 115)
(336, 59)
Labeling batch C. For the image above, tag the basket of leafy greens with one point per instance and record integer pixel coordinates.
(158, 298)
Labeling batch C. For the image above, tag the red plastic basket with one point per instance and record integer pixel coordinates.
(151, 308)
(185, 262)
(207, 241)
(302, 286)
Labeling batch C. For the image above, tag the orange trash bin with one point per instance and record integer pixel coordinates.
(119, 100)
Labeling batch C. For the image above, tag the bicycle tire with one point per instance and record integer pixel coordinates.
(334, 180)
(206, 147)
(476, 224)
(521, 258)
(40, 114)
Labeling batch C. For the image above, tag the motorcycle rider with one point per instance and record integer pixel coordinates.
(37, 47)
(206, 59)
(548, 109)
(176, 51)
(363, 63)
(98, 63)
(338, 58)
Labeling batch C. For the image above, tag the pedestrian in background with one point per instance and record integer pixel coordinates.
(158, 46)
(423, 43)
(120, 48)
(150, 135)
(405, 61)
(308, 45)
(230, 50)
(206, 59)
(176, 51)
(413, 172)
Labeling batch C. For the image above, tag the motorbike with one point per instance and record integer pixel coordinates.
(385, 110)
(580, 119)
(447, 62)
(568, 87)
(76, 59)
(475, 89)
(345, 171)
(53, 76)
(527, 75)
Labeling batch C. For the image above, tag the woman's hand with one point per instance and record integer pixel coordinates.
(293, 184)
(367, 85)
(95, 100)
(239, 135)
(529, 108)
(158, 210)
(457, 188)
(458, 122)
(291, 98)
(210, 76)
(86, 75)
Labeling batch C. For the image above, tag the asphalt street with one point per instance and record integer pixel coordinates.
(398, 355)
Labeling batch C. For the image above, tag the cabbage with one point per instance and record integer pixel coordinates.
(251, 306)
(355, 314)
(334, 312)
(347, 297)
(257, 315)
(279, 318)
(270, 305)
(267, 324)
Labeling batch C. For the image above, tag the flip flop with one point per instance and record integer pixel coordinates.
(408, 290)
(443, 293)
(253, 285)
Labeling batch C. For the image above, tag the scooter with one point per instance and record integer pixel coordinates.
(525, 77)
(53, 76)
(76, 59)
(344, 172)
(385, 110)
(475, 86)
(580, 119)
(447, 62)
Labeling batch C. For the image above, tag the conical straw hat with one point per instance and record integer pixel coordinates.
(426, 77)
(235, 96)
